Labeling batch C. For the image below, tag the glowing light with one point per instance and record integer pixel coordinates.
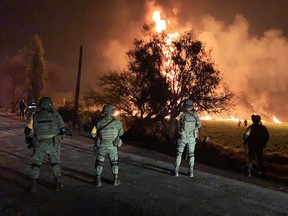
(167, 117)
(160, 24)
(205, 118)
(116, 113)
(168, 67)
(276, 120)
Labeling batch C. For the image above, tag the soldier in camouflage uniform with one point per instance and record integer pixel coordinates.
(106, 132)
(189, 125)
(48, 129)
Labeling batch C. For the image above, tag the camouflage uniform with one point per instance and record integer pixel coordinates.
(48, 127)
(106, 131)
(31, 108)
(189, 125)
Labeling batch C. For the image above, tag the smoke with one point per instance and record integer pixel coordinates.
(247, 46)
(254, 66)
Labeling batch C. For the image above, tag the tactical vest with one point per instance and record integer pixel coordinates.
(189, 124)
(109, 133)
(45, 125)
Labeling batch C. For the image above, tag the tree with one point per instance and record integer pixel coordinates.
(36, 71)
(162, 73)
(13, 70)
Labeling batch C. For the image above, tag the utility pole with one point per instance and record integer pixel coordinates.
(76, 101)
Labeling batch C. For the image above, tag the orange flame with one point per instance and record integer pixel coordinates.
(168, 67)
(276, 120)
(160, 24)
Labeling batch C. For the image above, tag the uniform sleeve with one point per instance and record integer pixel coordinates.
(198, 124)
(120, 128)
(94, 132)
(246, 135)
(182, 120)
(60, 121)
(30, 122)
(266, 134)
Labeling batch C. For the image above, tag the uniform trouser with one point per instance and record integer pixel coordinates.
(103, 150)
(53, 152)
(258, 151)
(190, 142)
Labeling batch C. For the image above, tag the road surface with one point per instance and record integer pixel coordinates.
(147, 187)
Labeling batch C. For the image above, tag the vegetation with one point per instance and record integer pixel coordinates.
(36, 70)
(27, 73)
(161, 75)
(229, 135)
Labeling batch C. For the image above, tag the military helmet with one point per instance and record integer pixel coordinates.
(188, 103)
(46, 103)
(108, 109)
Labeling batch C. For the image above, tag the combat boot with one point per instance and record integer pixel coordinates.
(33, 186)
(59, 184)
(176, 170)
(116, 181)
(98, 182)
(190, 173)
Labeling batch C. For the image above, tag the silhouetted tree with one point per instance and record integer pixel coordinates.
(13, 72)
(36, 71)
(161, 75)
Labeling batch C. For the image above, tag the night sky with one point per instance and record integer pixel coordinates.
(248, 39)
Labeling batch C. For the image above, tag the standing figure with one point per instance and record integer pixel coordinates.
(31, 108)
(22, 107)
(106, 133)
(189, 125)
(245, 123)
(49, 128)
(256, 136)
(239, 123)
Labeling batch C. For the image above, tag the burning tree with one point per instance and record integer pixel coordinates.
(163, 71)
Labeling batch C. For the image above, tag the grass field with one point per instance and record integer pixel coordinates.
(229, 135)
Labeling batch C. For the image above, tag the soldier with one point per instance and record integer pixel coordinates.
(256, 136)
(31, 108)
(106, 133)
(189, 125)
(48, 129)
(22, 107)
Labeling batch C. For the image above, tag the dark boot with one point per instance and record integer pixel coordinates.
(33, 186)
(59, 184)
(116, 181)
(176, 171)
(98, 182)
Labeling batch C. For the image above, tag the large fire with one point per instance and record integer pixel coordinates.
(276, 120)
(168, 67)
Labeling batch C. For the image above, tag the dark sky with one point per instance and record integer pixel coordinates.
(106, 30)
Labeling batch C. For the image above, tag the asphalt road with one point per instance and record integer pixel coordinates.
(147, 187)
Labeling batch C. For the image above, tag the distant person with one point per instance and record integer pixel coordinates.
(256, 136)
(106, 133)
(48, 128)
(245, 123)
(239, 123)
(22, 107)
(189, 125)
(31, 108)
